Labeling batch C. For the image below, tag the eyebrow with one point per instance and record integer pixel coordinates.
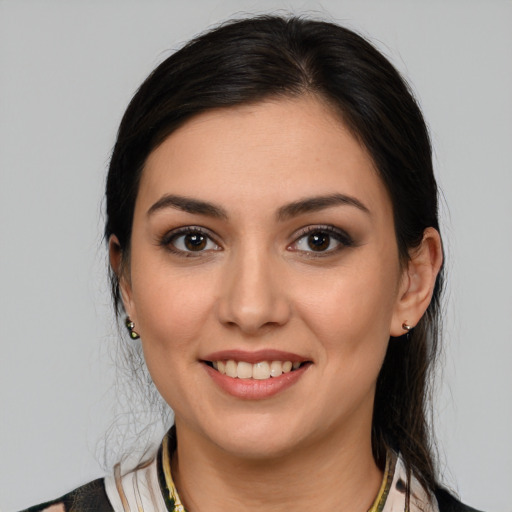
(317, 203)
(307, 205)
(189, 205)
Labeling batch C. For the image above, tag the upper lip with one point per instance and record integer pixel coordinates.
(255, 356)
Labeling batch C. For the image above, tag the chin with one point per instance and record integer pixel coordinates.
(258, 448)
(257, 438)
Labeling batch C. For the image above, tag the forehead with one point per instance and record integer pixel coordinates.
(267, 153)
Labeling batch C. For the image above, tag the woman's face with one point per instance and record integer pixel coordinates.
(263, 237)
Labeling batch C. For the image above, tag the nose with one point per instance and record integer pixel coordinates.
(253, 296)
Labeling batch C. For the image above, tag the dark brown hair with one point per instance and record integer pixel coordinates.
(249, 60)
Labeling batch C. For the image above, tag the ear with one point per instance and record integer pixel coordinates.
(116, 262)
(418, 281)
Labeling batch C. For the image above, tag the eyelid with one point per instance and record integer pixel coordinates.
(169, 237)
(340, 235)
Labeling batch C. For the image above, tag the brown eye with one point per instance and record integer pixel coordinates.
(322, 240)
(195, 241)
(188, 240)
(319, 241)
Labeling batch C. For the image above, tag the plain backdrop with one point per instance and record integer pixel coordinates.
(67, 71)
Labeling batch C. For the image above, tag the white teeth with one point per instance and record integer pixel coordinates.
(231, 368)
(260, 371)
(276, 368)
(287, 366)
(244, 370)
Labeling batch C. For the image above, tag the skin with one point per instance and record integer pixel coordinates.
(258, 284)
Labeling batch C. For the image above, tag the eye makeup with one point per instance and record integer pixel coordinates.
(321, 240)
(189, 241)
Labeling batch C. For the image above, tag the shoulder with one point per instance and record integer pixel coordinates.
(448, 503)
(90, 497)
(143, 487)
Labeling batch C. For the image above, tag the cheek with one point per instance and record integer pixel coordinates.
(350, 313)
(350, 299)
(350, 318)
(172, 309)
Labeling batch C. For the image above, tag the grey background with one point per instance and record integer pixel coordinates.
(67, 71)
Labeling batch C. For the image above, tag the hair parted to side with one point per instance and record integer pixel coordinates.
(249, 60)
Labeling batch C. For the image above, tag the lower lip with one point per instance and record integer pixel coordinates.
(254, 389)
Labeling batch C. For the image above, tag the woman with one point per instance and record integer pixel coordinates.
(274, 242)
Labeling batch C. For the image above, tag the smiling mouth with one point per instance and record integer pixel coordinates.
(258, 371)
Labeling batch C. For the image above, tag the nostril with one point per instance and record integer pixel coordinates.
(252, 304)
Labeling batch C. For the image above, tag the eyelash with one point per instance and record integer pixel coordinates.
(169, 241)
(341, 237)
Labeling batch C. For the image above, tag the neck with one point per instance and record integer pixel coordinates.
(334, 474)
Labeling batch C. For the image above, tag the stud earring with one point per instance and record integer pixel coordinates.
(131, 326)
(406, 327)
